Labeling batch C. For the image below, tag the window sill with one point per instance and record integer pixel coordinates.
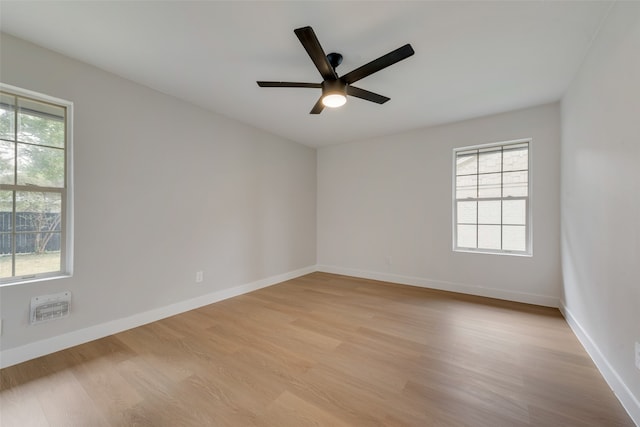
(17, 282)
(489, 252)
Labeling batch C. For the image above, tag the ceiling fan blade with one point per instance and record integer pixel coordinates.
(311, 44)
(288, 84)
(378, 64)
(365, 94)
(317, 109)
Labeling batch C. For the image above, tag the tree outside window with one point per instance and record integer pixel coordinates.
(33, 187)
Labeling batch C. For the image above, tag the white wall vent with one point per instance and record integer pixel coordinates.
(50, 307)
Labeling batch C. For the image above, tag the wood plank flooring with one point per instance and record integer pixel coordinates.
(323, 350)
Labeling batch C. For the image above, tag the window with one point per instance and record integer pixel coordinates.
(491, 206)
(35, 200)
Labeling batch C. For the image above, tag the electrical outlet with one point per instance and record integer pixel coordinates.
(638, 355)
(199, 276)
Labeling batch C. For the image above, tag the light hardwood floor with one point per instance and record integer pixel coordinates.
(323, 350)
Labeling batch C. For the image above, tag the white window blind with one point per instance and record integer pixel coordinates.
(492, 198)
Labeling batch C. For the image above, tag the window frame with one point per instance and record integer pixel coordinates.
(528, 252)
(66, 191)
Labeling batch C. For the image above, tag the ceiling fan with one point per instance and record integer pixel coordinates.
(335, 89)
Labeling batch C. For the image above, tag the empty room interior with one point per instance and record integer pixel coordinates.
(321, 213)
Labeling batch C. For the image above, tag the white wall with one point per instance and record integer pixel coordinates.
(385, 209)
(162, 189)
(601, 202)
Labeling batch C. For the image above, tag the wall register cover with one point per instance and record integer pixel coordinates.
(50, 307)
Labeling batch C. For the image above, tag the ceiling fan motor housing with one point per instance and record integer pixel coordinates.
(334, 87)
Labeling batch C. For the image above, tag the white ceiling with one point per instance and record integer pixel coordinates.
(472, 58)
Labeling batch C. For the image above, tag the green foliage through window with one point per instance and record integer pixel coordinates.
(33, 187)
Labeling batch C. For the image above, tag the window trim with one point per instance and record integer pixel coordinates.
(528, 252)
(67, 232)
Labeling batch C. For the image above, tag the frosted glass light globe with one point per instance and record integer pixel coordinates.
(334, 100)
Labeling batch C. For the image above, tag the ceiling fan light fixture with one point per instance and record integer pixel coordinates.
(334, 93)
(335, 88)
(334, 100)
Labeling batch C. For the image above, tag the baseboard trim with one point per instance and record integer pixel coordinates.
(502, 294)
(620, 389)
(36, 349)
